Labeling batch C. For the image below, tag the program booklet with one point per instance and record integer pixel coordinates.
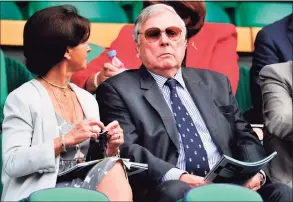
(86, 166)
(230, 170)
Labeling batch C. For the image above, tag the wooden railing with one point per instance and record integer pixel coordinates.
(102, 34)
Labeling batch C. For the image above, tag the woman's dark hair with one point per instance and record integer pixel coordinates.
(49, 32)
(196, 10)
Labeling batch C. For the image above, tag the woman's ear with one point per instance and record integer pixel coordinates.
(67, 55)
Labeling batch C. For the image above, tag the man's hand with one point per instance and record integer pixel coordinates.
(192, 180)
(255, 182)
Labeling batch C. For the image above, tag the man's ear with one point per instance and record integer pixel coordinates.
(137, 48)
(67, 54)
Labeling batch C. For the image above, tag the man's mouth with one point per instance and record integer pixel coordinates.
(165, 54)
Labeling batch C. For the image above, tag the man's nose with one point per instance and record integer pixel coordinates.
(164, 40)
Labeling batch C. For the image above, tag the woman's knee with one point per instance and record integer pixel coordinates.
(117, 168)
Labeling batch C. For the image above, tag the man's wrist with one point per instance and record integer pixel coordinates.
(264, 178)
(173, 174)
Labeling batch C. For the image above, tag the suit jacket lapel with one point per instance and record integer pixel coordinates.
(154, 96)
(204, 102)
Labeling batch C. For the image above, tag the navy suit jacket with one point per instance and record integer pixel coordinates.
(134, 99)
(273, 44)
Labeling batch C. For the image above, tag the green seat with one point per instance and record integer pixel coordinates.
(67, 194)
(259, 14)
(95, 11)
(132, 9)
(216, 13)
(228, 4)
(13, 75)
(95, 52)
(4, 84)
(10, 11)
(3, 95)
(1, 186)
(243, 95)
(17, 73)
(222, 192)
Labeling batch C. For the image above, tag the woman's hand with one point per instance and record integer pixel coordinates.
(85, 129)
(116, 138)
(106, 72)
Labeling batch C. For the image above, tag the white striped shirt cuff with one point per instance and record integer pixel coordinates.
(264, 177)
(173, 174)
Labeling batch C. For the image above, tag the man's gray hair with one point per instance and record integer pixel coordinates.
(150, 10)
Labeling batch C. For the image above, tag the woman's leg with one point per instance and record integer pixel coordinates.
(115, 184)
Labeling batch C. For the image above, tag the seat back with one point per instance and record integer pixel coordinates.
(10, 11)
(216, 13)
(3, 95)
(3, 84)
(222, 192)
(1, 186)
(17, 74)
(259, 14)
(243, 95)
(95, 11)
(67, 194)
(132, 9)
(95, 52)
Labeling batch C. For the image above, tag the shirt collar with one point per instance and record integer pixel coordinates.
(161, 80)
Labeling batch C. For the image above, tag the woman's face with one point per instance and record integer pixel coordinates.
(78, 56)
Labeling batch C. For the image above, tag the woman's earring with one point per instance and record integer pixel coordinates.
(137, 55)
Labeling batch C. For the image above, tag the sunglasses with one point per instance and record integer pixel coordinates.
(154, 33)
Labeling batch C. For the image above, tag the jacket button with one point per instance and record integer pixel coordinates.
(41, 171)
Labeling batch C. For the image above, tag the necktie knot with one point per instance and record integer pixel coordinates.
(171, 83)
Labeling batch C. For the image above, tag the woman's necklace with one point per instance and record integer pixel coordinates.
(79, 156)
(62, 88)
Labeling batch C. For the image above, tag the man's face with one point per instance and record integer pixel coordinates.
(164, 55)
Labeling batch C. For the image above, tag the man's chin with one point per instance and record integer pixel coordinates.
(169, 65)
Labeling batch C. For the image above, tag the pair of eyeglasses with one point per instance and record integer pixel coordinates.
(154, 33)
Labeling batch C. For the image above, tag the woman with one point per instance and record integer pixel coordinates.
(49, 122)
(210, 46)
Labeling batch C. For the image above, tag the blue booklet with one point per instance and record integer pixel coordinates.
(230, 170)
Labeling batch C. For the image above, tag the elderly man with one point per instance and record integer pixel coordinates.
(177, 120)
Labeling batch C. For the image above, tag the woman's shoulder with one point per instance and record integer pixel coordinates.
(26, 90)
(127, 29)
(217, 30)
(26, 93)
(125, 35)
